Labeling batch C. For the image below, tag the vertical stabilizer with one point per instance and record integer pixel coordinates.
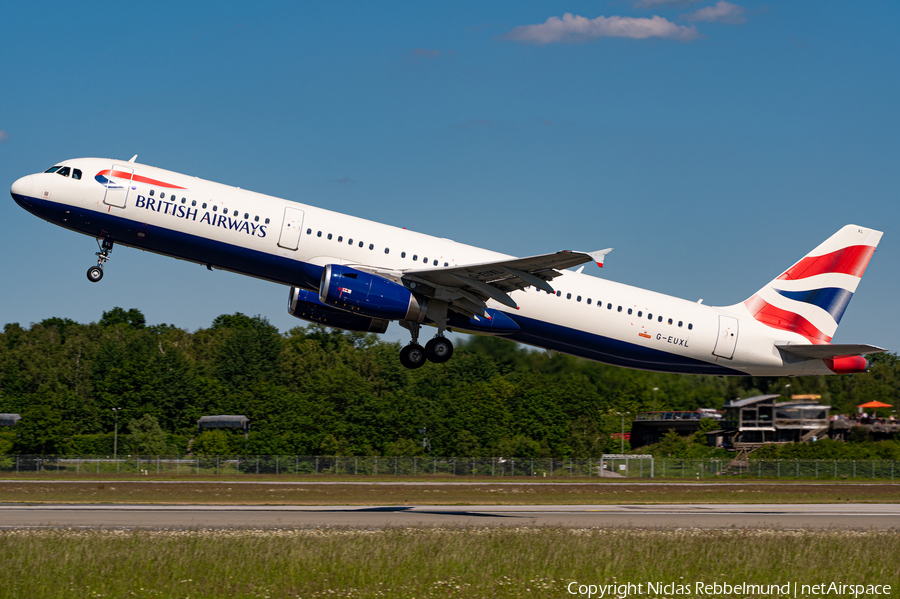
(810, 297)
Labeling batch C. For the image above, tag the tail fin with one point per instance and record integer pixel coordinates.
(810, 297)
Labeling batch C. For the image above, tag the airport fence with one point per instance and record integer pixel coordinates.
(633, 467)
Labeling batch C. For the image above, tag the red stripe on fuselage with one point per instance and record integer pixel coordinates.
(138, 178)
(768, 314)
(849, 260)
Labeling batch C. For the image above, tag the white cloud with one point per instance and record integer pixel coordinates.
(4, 136)
(663, 3)
(574, 29)
(722, 12)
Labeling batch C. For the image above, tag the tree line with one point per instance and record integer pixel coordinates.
(319, 391)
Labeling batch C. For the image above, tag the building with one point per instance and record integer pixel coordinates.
(754, 421)
(649, 427)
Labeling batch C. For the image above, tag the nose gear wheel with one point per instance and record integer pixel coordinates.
(95, 273)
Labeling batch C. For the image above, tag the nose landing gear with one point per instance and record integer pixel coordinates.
(95, 273)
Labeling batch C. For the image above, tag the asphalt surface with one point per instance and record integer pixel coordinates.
(787, 516)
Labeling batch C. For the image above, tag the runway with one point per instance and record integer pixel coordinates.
(786, 516)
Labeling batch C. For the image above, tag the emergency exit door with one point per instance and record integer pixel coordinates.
(291, 228)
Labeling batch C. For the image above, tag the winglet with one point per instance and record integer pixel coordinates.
(598, 256)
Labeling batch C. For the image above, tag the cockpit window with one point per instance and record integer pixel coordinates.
(76, 173)
(64, 171)
(52, 169)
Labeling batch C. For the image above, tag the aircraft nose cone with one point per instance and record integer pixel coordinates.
(22, 187)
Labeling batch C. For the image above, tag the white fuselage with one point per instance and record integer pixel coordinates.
(237, 230)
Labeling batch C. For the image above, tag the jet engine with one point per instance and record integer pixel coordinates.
(306, 305)
(370, 295)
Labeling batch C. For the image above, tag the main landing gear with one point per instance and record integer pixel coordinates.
(414, 355)
(95, 273)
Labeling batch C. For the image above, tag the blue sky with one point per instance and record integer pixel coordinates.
(711, 143)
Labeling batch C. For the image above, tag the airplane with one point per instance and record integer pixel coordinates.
(358, 275)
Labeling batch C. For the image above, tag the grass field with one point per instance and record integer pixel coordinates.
(300, 493)
(433, 562)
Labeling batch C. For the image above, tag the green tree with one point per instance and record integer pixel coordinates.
(146, 437)
(213, 442)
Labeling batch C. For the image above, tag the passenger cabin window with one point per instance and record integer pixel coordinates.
(387, 250)
(680, 323)
(660, 319)
(403, 254)
(629, 311)
(371, 246)
(340, 237)
(329, 235)
(162, 196)
(308, 231)
(215, 208)
(267, 220)
(349, 241)
(640, 313)
(246, 216)
(151, 192)
(589, 301)
(415, 257)
(568, 296)
(620, 309)
(559, 294)
(183, 200)
(425, 260)
(690, 326)
(256, 220)
(435, 262)
(446, 264)
(609, 306)
(360, 244)
(319, 234)
(670, 321)
(204, 205)
(194, 203)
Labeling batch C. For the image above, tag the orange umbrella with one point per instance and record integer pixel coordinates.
(874, 405)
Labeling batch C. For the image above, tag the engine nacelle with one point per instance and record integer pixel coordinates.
(366, 294)
(305, 305)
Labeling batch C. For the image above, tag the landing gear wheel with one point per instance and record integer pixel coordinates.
(412, 356)
(94, 274)
(439, 349)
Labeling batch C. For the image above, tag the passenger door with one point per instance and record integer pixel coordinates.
(728, 332)
(291, 228)
(117, 186)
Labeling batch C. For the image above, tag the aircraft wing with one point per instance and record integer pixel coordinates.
(826, 352)
(469, 286)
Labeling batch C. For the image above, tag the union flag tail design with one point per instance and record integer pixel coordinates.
(810, 297)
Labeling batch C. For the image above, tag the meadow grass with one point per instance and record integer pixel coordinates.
(484, 493)
(427, 562)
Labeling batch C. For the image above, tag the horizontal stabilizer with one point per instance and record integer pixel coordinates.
(827, 352)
